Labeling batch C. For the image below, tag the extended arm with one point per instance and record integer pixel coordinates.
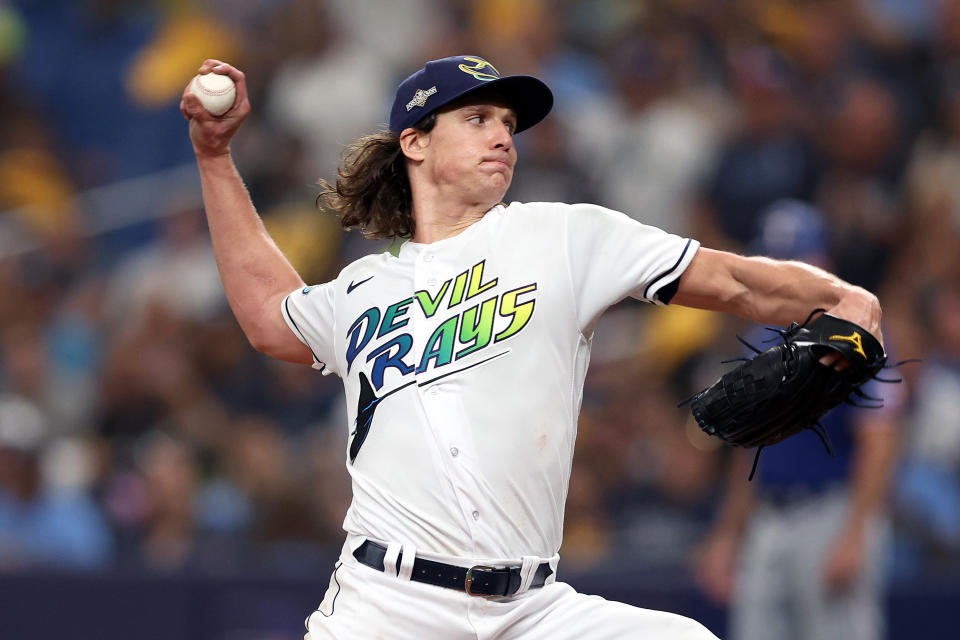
(255, 274)
(772, 291)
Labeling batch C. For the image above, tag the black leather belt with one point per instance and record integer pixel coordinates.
(478, 580)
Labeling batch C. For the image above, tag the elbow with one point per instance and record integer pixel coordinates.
(266, 340)
(261, 325)
(268, 346)
(259, 343)
(280, 344)
(259, 335)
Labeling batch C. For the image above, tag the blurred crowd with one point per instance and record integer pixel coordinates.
(138, 429)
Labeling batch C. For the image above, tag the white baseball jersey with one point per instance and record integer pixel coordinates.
(463, 363)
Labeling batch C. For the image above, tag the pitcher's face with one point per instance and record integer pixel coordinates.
(471, 150)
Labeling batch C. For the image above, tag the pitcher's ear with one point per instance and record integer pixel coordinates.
(413, 142)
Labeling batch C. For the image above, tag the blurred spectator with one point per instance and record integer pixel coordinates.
(860, 190)
(928, 485)
(799, 553)
(258, 462)
(53, 367)
(43, 524)
(74, 349)
(159, 70)
(315, 94)
(928, 250)
(169, 473)
(548, 170)
(34, 184)
(647, 148)
(12, 33)
(178, 272)
(768, 158)
(327, 486)
(73, 66)
(410, 24)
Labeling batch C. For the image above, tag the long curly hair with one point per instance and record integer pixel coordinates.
(372, 191)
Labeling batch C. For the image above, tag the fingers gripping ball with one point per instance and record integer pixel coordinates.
(216, 92)
(786, 389)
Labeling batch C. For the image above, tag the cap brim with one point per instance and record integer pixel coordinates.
(529, 97)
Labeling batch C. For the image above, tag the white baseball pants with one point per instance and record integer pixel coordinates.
(365, 604)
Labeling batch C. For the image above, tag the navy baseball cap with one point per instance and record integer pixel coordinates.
(442, 81)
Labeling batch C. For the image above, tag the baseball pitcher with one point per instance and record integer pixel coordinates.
(463, 357)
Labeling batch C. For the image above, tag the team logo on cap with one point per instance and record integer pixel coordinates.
(420, 97)
(476, 69)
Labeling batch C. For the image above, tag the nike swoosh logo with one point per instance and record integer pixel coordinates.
(354, 285)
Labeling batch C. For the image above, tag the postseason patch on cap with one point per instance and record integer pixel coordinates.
(420, 97)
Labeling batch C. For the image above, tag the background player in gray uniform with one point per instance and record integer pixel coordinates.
(798, 553)
(463, 357)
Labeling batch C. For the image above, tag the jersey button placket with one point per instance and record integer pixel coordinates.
(446, 425)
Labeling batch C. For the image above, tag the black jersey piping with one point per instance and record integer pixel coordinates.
(667, 272)
(286, 307)
(333, 605)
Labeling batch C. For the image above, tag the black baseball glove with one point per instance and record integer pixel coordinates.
(786, 389)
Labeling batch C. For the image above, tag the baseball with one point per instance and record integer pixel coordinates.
(215, 91)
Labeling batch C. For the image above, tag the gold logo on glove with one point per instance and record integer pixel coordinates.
(853, 338)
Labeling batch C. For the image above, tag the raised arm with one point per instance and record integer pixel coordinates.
(772, 291)
(255, 274)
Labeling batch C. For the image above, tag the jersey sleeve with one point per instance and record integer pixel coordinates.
(611, 256)
(309, 312)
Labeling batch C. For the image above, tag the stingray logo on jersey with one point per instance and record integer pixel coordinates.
(468, 330)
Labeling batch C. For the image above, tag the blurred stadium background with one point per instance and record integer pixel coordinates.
(160, 479)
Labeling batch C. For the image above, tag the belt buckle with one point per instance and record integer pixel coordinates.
(468, 580)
